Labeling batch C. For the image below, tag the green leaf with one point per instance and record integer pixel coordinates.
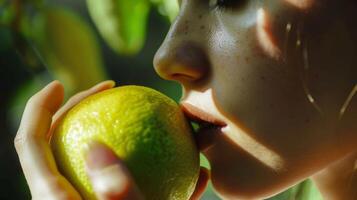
(69, 48)
(122, 23)
(37, 4)
(306, 190)
(168, 8)
(7, 14)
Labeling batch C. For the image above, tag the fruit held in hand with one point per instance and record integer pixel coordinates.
(146, 129)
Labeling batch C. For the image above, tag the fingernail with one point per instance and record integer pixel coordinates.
(52, 83)
(110, 83)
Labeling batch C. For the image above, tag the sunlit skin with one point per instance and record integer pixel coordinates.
(264, 35)
(301, 4)
(280, 74)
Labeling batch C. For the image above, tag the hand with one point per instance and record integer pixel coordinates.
(109, 176)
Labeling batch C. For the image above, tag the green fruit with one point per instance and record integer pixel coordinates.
(122, 23)
(146, 129)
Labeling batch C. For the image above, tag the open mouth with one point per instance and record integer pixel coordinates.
(200, 117)
(207, 126)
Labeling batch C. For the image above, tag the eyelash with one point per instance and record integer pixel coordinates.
(226, 4)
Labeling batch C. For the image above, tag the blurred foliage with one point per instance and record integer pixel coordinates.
(56, 42)
(59, 40)
(122, 23)
(7, 13)
(69, 48)
(6, 41)
(305, 190)
(168, 8)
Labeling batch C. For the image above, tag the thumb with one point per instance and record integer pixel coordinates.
(109, 176)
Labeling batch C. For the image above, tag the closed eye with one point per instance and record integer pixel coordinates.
(227, 4)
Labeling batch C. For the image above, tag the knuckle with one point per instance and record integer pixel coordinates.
(19, 140)
(24, 138)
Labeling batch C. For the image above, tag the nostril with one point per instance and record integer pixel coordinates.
(179, 77)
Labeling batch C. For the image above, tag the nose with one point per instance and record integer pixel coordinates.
(185, 62)
(182, 55)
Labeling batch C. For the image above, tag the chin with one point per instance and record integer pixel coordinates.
(236, 174)
(230, 187)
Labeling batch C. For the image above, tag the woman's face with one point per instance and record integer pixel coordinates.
(275, 77)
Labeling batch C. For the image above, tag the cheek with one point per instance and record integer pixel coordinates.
(277, 32)
(278, 29)
(265, 37)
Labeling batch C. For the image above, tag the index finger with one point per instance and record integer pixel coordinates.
(33, 149)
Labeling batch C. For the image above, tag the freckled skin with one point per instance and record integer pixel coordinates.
(267, 101)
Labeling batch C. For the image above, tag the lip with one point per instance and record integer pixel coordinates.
(210, 126)
(199, 116)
